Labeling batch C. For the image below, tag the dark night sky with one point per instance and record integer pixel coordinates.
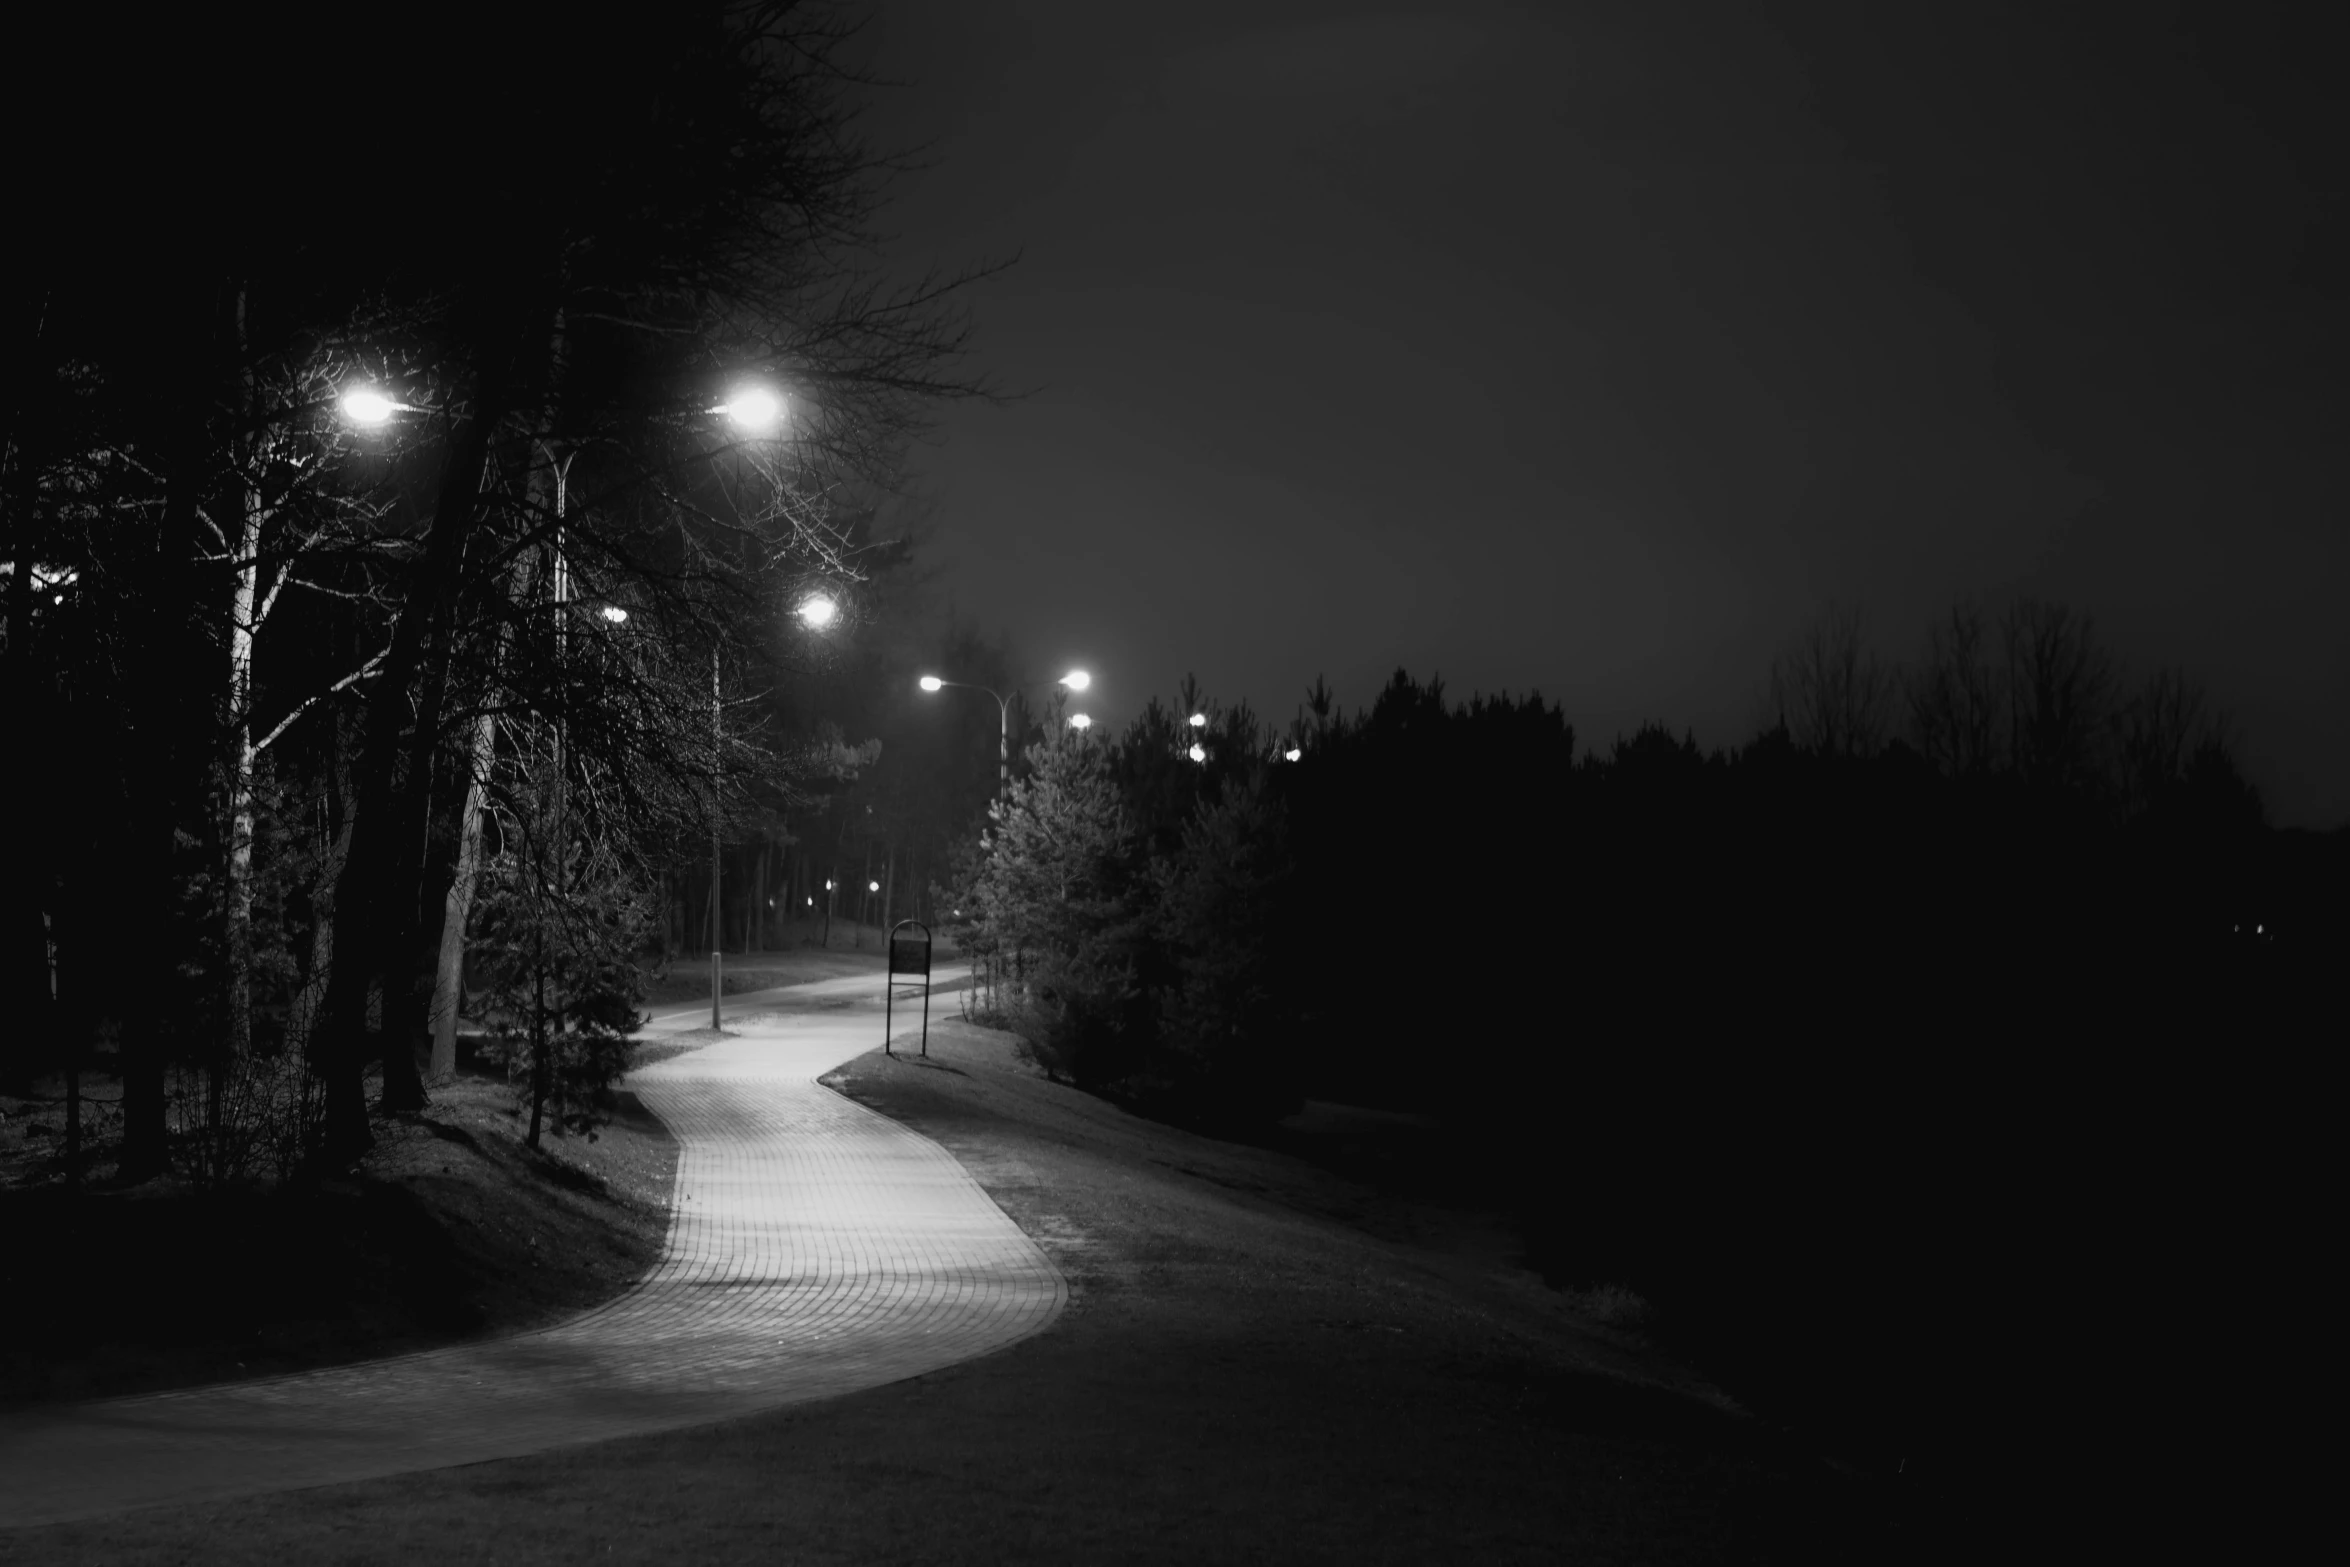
(1589, 348)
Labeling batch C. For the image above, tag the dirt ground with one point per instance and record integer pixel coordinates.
(1259, 1364)
(451, 1228)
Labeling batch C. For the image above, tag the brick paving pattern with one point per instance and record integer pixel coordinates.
(815, 1248)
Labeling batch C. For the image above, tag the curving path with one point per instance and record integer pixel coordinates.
(815, 1248)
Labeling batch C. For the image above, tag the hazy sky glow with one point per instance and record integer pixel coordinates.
(1589, 352)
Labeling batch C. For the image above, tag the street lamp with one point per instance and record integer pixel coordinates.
(1075, 680)
(756, 409)
(817, 610)
(1292, 754)
(1198, 752)
(368, 406)
(1198, 720)
(1079, 722)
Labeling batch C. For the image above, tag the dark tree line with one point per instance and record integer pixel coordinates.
(301, 697)
(1972, 975)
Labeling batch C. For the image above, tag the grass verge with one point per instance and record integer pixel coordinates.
(685, 979)
(451, 1228)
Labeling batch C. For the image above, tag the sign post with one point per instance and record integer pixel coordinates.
(909, 955)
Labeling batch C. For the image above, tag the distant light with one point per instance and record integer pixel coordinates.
(811, 903)
(818, 610)
(613, 613)
(367, 406)
(931, 682)
(827, 884)
(1080, 721)
(1197, 720)
(958, 913)
(1292, 754)
(1199, 753)
(1077, 680)
(754, 408)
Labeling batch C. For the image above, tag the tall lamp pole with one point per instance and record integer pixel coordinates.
(756, 410)
(1075, 680)
(717, 909)
(816, 611)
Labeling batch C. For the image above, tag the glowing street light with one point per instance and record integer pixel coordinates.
(368, 407)
(1198, 752)
(754, 408)
(1292, 754)
(1080, 722)
(613, 613)
(818, 610)
(872, 886)
(1075, 680)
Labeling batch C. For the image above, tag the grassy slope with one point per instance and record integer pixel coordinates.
(686, 978)
(450, 1229)
(1245, 1374)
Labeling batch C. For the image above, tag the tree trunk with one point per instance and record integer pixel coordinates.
(244, 600)
(171, 690)
(759, 892)
(377, 894)
(240, 801)
(538, 1032)
(449, 984)
(831, 894)
(26, 867)
(864, 903)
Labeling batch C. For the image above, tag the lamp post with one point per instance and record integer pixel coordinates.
(756, 410)
(1075, 680)
(816, 611)
(717, 909)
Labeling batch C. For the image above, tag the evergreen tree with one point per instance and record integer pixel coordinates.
(1057, 896)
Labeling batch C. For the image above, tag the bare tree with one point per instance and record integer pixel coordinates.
(2156, 731)
(2060, 692)
(1830, 689)
(1954, 697)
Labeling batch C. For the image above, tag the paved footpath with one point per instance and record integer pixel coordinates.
(815, 1248)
